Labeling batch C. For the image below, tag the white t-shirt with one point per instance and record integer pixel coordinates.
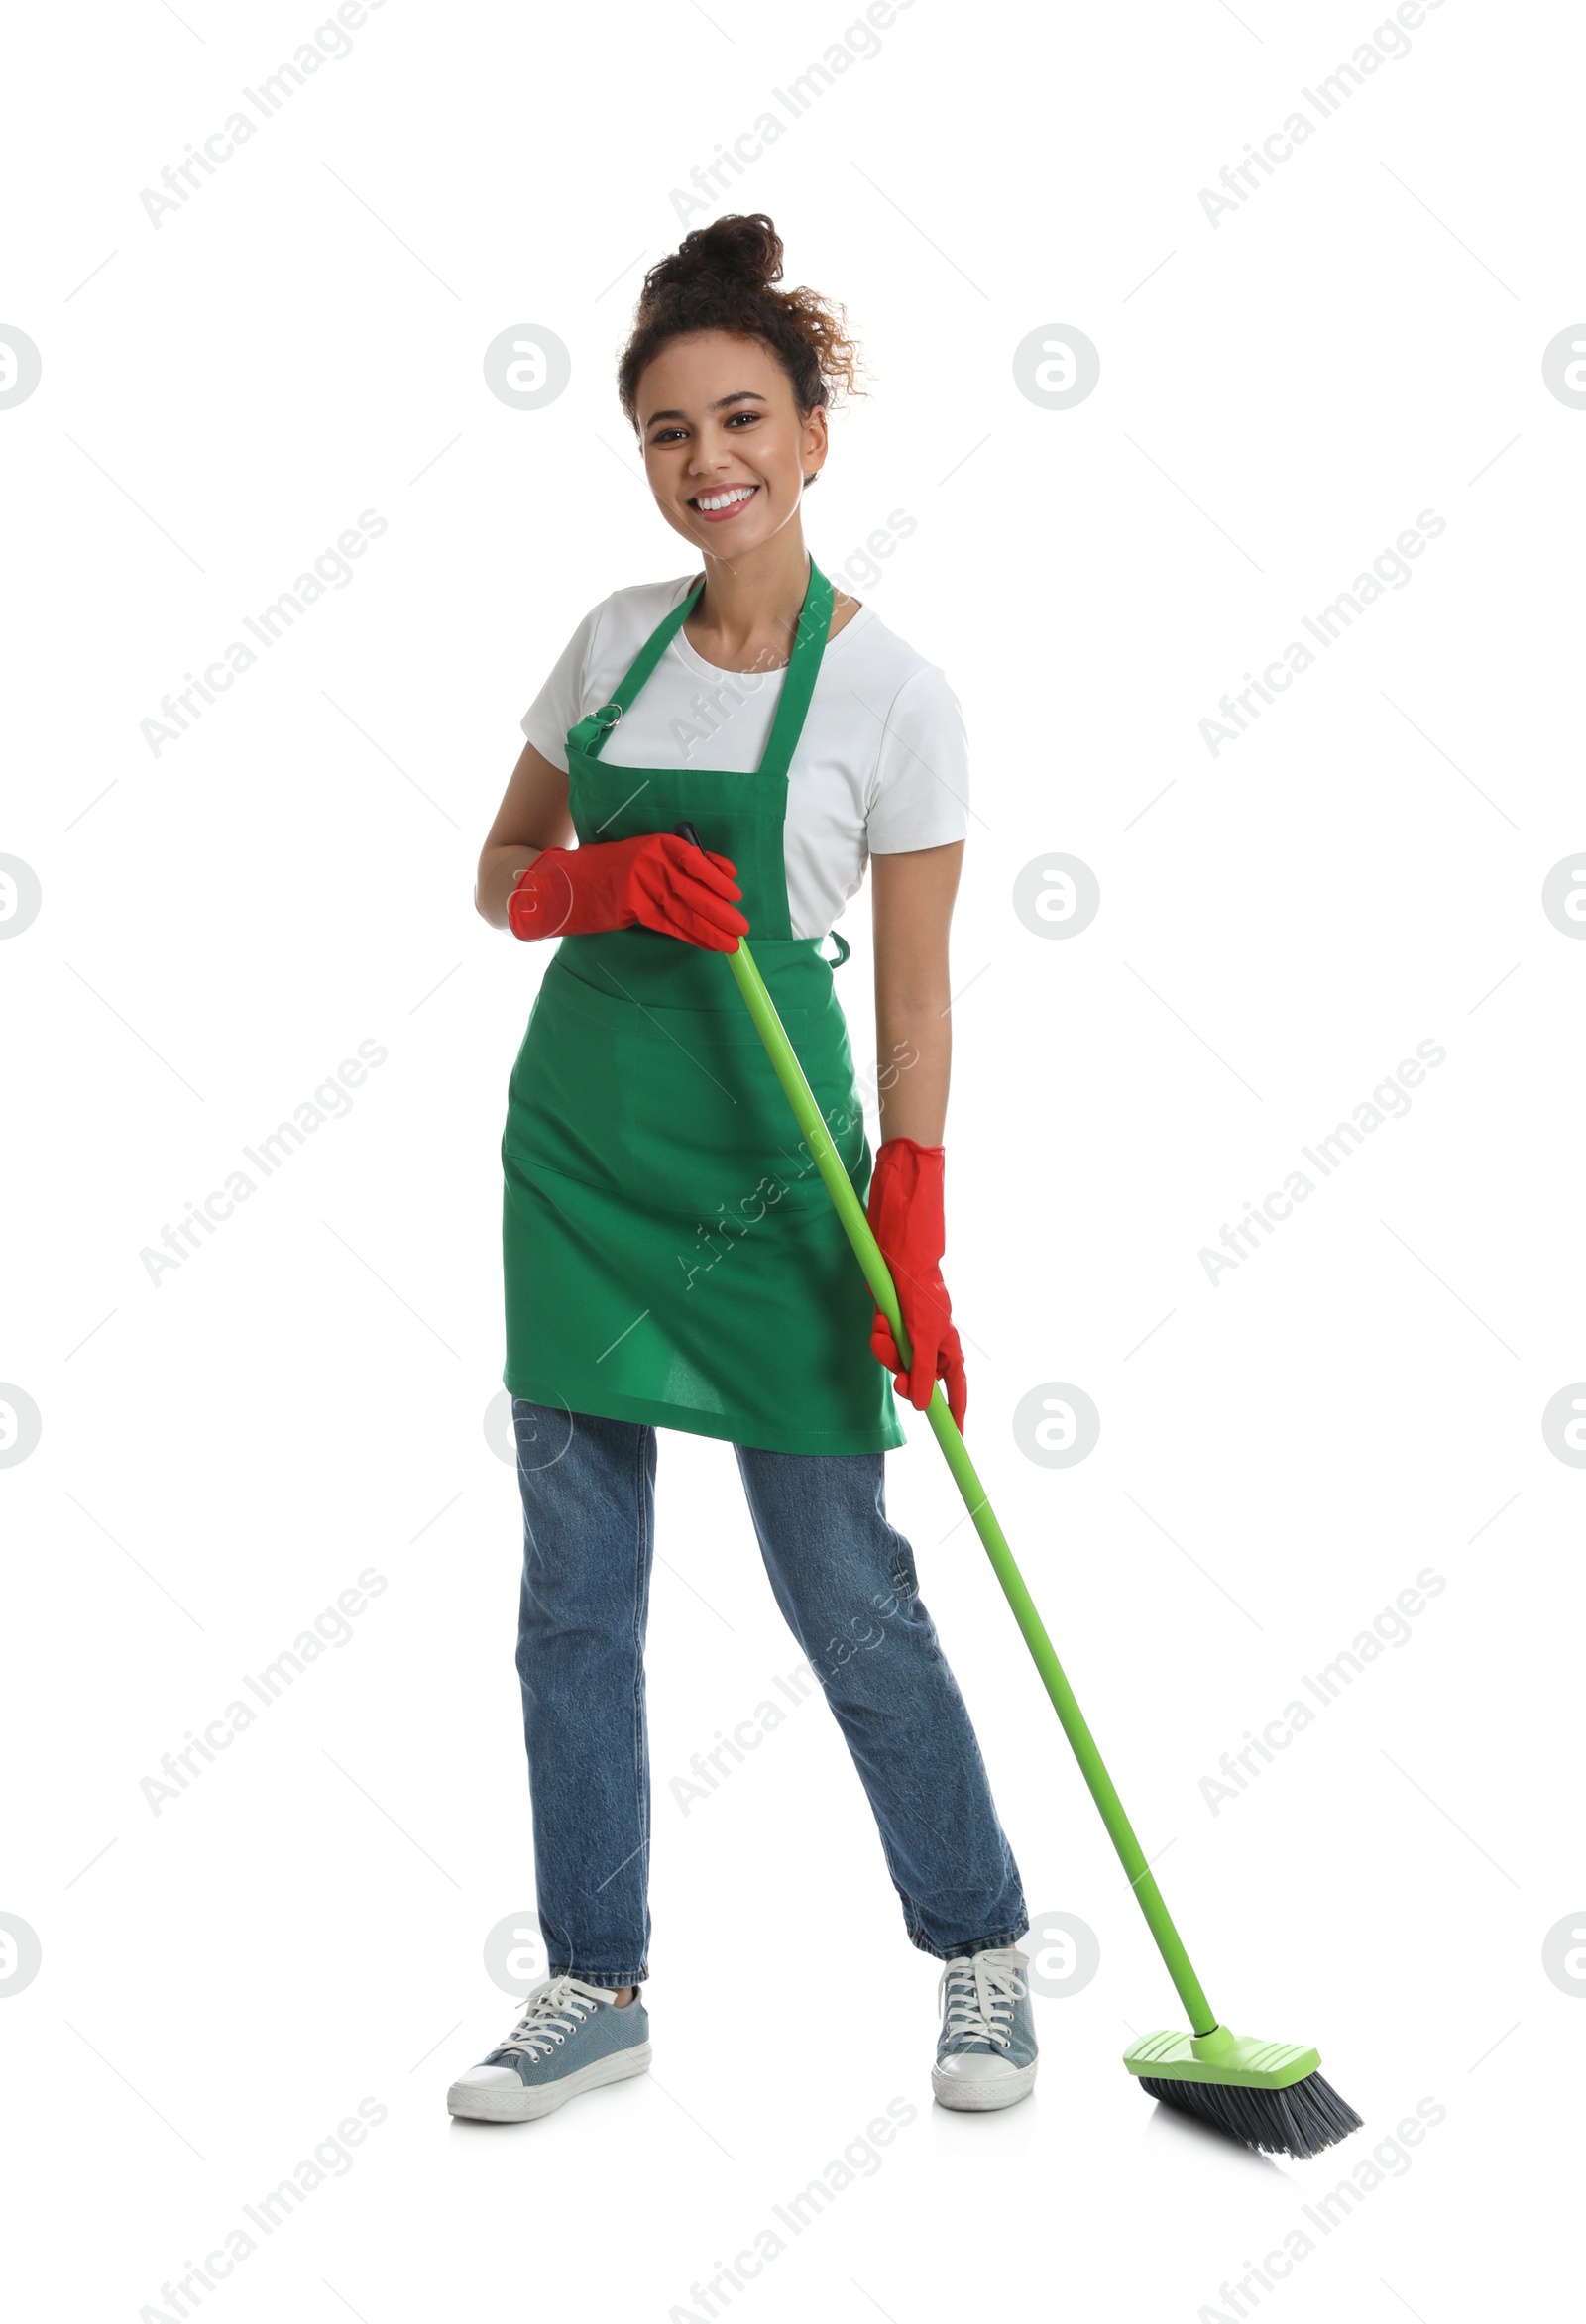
(882, 766)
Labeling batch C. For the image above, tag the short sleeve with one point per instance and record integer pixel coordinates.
(920, 796)
(559, 703)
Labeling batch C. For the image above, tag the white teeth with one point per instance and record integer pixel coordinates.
(726, 500)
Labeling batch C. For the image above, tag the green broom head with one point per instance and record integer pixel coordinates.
(1267, 2095)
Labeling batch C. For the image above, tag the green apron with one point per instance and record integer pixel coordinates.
(670, 1253)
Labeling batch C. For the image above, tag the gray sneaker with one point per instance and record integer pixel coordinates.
(986, 2055)
(571, 2036)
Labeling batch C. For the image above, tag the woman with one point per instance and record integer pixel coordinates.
(671, 1255)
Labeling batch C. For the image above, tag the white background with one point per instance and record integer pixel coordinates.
(305, 1397)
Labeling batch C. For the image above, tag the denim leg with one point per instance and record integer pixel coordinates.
(846, 1582)
(587, 1487)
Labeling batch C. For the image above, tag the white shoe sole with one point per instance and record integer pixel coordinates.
(984, 2097)
(526, 2104)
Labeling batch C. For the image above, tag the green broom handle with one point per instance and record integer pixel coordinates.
(868, 1251)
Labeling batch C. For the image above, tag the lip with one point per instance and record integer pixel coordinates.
(724, 515)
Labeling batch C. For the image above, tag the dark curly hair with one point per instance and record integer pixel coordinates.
(722, 278)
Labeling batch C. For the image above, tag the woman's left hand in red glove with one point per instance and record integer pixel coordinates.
(906, 1218)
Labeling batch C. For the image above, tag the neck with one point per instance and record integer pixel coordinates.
(750, 606)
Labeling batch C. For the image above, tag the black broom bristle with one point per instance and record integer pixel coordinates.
(1302, 2120)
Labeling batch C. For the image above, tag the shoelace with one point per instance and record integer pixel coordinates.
(555, 2010)
(979, 1993)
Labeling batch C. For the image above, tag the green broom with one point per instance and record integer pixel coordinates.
(1269, 2096)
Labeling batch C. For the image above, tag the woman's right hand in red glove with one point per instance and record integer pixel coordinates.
(658, 881)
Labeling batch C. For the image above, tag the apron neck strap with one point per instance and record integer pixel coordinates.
(809, 645)
(600, 723)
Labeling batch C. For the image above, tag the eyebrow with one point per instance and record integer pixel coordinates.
(739, 396)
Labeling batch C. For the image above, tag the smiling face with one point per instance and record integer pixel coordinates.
(726, 448)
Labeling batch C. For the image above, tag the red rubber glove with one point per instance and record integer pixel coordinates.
(906, 1218)
(656, 881)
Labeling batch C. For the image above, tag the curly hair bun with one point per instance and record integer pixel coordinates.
(723, 278)
(743, 249)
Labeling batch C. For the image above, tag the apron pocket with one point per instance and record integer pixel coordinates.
(679, 1112)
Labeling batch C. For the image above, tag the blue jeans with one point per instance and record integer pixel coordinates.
(845, 1583)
